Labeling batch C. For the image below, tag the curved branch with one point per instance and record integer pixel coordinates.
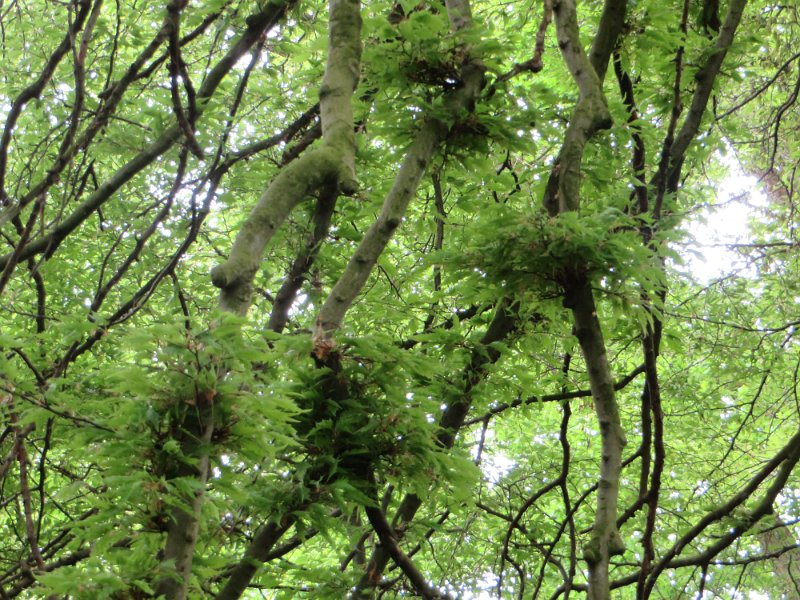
(590, 115)
(704, 79)
(786, 459)
(257, 552)
(561, 396)
(760, 90)
(332, 164)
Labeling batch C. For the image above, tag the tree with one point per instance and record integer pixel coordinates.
(393, 300)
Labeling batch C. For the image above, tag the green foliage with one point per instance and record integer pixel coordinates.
(455, 396)
(532, 251)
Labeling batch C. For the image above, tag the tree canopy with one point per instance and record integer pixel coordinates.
(392, 300)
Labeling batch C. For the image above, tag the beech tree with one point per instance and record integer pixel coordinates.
(399, 299)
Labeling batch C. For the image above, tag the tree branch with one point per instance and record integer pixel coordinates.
(331, 164)
(257, 25)
(388, 540)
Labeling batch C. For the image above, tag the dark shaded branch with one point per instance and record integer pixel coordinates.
(535, 64)
(298, 272)
(563, 478)
(638, 154)
(35, 89)
(388, 541)
(298, 125)
(651, 401)
(621, 384)
(457, 316)
(763, 88)
(668, 178)
(309, 137)
(27, 578)
(110, 98)
(257, 553)
(451, 421)
(776, 121)
(25, 490)
(659, 180)
(141, 240)
(786, 459)
(178, 72)
(19, 249)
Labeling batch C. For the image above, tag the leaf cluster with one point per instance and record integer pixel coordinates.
(373, 414)
(530, 251)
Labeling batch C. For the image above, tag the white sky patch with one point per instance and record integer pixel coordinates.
(301, 302)
(494, 464)
(722, 223)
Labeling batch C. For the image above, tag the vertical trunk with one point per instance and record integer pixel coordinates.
(185, 525)
(605, 540)
(563, 195)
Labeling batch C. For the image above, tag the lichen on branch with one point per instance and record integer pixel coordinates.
(433, 132)
(330, 164)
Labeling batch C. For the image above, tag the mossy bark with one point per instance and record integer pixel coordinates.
(376, 238)
(331, 164)
(341, 77)
(589, 116)
(458, 102)
(294, 183)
